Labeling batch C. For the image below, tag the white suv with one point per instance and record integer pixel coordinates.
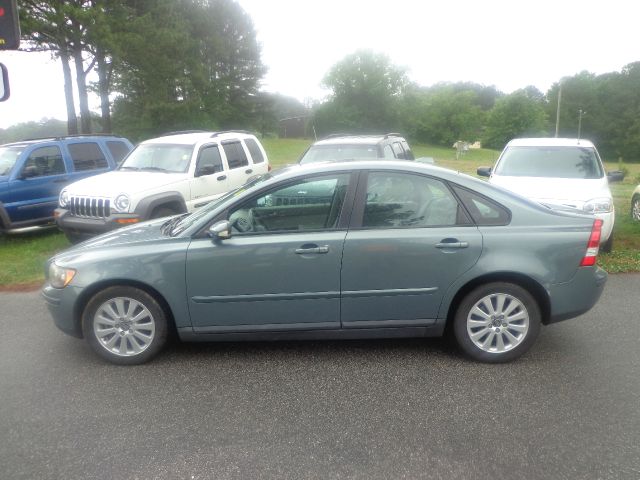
(164, 176)
(564, 172)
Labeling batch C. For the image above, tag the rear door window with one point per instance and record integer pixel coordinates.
(87, 156)
(236, 157)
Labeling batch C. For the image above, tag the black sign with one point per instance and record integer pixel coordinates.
(9, 25)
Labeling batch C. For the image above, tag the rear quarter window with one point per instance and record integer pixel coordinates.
(254, 150)
(483, 211)
(118, 150)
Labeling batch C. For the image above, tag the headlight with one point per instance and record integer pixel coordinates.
(60, 277)
(122, 202)
(598, 205)
(63, 200)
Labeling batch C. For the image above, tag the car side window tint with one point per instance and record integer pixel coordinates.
(400, 200)
(209, 161)
(87, 156)
(118, 150)
(483, 211)
(313, 204)
(236, 157)
(408, 154)
(254, 150)
(43, 162)
(388, 152)
(398, 150)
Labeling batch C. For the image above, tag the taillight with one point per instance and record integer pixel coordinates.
(593, 246)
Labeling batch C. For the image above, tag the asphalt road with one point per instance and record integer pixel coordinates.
(368, 409)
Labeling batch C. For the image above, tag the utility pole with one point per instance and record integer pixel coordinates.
(558, 109)
(580, 114)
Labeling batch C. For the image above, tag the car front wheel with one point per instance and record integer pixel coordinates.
(124, 325)
(497, 322)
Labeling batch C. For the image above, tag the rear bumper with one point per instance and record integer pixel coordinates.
(83, 226)
(578, 296)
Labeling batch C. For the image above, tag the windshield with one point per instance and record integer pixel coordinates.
(550, 162)
(8, 158)
(159, 157)
(326, 153)
(183, 223)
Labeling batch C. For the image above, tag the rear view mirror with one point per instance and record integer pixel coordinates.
(615, 176)
(484, 171)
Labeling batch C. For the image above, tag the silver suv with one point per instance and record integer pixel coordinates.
(390, 146)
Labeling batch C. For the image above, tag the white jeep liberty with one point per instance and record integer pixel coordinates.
(164, 176)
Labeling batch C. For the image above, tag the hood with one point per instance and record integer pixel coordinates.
(145, 232)
(112, 184)
(572, 192)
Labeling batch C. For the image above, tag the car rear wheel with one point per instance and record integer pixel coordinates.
(635, 208)
(124, 325)
(497, 322)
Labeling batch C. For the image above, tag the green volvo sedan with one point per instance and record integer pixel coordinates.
(335, 250)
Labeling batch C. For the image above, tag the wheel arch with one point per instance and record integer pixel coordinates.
(173, 200)
(530, 285)
(89, 292)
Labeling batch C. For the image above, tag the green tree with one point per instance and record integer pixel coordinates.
(365, 94)
(515, 115)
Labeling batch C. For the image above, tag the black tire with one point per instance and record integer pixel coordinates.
(161, 212)
(635, 208)
(607, 246)
(498, 331)
(149, 333)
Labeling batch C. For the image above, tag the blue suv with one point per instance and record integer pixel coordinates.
(33, 172)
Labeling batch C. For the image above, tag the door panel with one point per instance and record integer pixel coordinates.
(261, 282)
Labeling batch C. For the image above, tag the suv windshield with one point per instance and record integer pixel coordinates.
(325, 153)
(161, 157)
(8, 157)
(550, 162)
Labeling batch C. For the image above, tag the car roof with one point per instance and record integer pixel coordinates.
(356, 139)
(32, 141)
(195, 137)
(549, 142)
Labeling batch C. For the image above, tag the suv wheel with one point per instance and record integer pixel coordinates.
(497, 322)
(124, 325)
(635, 208)
(162, 212)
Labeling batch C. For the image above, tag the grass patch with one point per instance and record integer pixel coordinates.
(22, 255)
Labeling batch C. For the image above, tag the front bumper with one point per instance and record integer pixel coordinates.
(87, 226)
(577, 296)
(62, 303)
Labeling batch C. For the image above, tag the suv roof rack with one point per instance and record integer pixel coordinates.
(392, 134)
(215, 134)
(182, 132)
(75, 135)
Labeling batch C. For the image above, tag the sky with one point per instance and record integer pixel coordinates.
(509, 44)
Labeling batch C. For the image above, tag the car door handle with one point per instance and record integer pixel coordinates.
(444, 244)
(221, 177)
(306, 249)
(248, 171)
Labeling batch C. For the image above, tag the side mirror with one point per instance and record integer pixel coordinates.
(28, 172)
(615, 176)
(205, 170)
(484, 171)
(220, 230)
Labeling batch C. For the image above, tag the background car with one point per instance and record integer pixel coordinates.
(338, 250)
(558, 172)
(358, 147)
(33, 172)
(635, 203)
(175, 173)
